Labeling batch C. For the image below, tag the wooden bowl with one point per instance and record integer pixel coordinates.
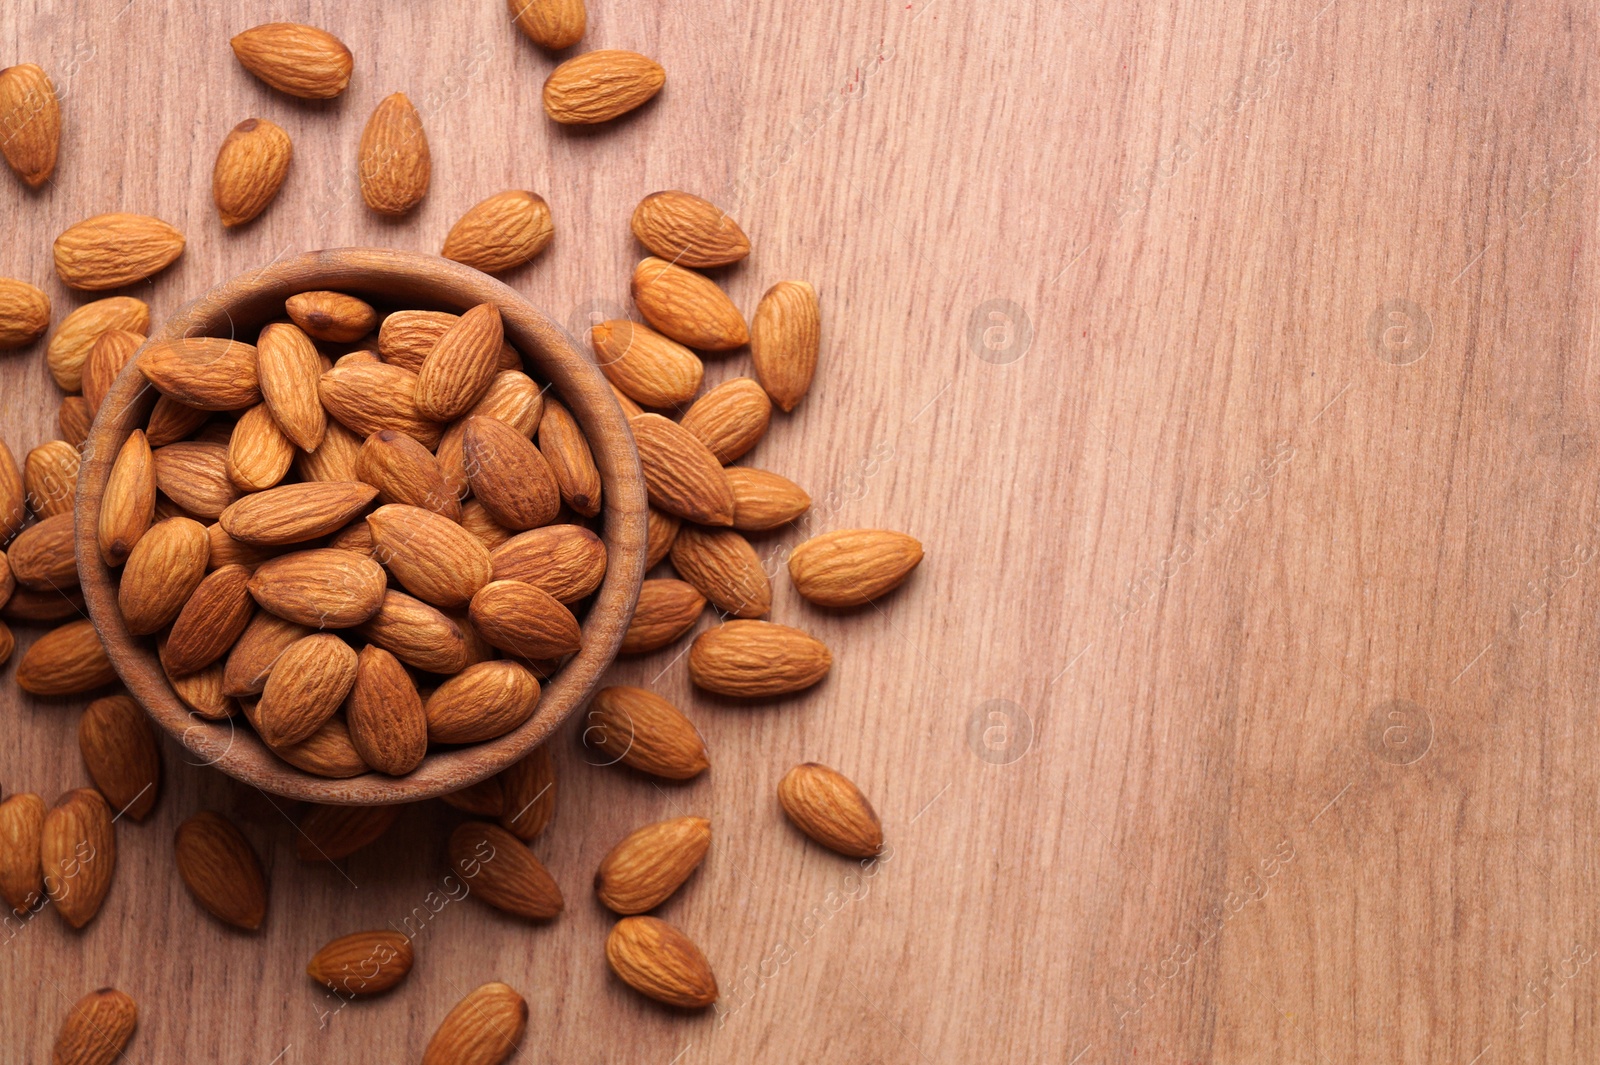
(408, 280)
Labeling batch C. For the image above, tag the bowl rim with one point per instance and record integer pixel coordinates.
(547, 350)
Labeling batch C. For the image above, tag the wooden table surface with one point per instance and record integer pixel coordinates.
(1236, 364)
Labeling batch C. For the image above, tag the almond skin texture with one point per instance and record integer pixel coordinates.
(172, 421)
(335, 458)
(21, 876)
(210, 621)
(644, 731)
(509, 475)
(435, 559)
(288, 368)
(250, 168)
(785, 336)
(194, 475)
(681, 474)
(568, 561)
(529, 789)
(221, 870)
(757, 659)
(259, 455)
(395, 165)
(459, 369)
(73, 419)
(24, 313)
(387, 722)
(97, 1029)
(501, 233)
(667, 610)
(501, 870)
(119, 749)
(332, 833)
(404, 471)
(417, 634)
(308, 683)
(298, 60)
(69, 660)
(650, 863)
(162, 572)
(202, 693)
(763, 500)
(660, 962)
(850, 567)
(36, 608)
(331, 316)
(112, 250)
(524, 621)
(78, 853)
(550, 24)
(688, 307)
(208, 373)
(481, 702)
(484, 1028)
(328, 753)
(562, 443)
(684, 229)
(69, 348)
(362, 963)
(661, 532)
(725, 568)
(599, 86)
(731, 418)
(294, 513)
(825, 805)
(252, 658)
(50, 476)
(13, 495)
(323, 588)
(41, 557)
(406, 338)
(110, 353)
(646, 366)
(30, 123)
(477, 521)
(369, 397)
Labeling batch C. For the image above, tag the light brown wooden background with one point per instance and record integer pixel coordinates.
(1201, 500)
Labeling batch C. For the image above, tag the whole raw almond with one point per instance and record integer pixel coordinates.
(850, 567)
(683, 228)
(78, 853)
(331, 316)
(362, 963)
(96, 1029)
(403, 471)
(434, 558)
(309, 681)
(387, 722)
(24, 309)
(645, 365)
(486, 798)
(658, 961)
(483, 701)
(395, 164)
(475, 518)
(552, 24)
(250, 168)
(756, 659)
(568, 561)
(162, 572)
(210, 621)
(509, 475)
(298, 60)
(369, 397)
(417, 634)
(208, 373)
(731, 418)
(69, 348)
(825, 805)
(13, 495)
(50, 476)
(661, 532)
(202, 692)
(68, 660)
(30, 121)
(726, 569)
(194, 475)
(502, 232)
(172, 421)
(288, 367)
(406, 338)
(529, 789)
(461, 366)
(73, 419)
(599, 86)
(21, 875)
(259, 455)
(484, 1028)
(642, 871)
(524, 621)
(681, 474)
(323, 588)
(119, 749)
(221, 870)
(763, 500)
(335, 458)
(785, 336)
(501, 870)
(667, 609)
(688, 307)
(42, 555)
(294, 513)
(252, 657)
(108, 356)
(112, 250)
(332, 833)
(642, 730)
(328, 753)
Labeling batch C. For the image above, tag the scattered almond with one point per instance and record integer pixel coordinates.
(69, 348)
(30, 116)
(24, 309)
(108, 356)
(825, 805)
(362, 963)
(500, 869)
(661, 532)
(642, 730)
(69, 660)
(50, 476)
(120, 751)
(763, 500)
(658, 961)
(332, 833)
(645, 365)
(681, 474)
(112, 250)
(850, 567)
(688, 307)
(250, 168)
(529, 790)
(13, 495)
(73, 419)
(21, 875)
(552, 24)
(652, 862)
(298, 60)
(684, 229)
(667, 609)
(78, 853)
(785, 336)
(395, 165)
(757, 659)
(42, 556)
(599, 86)
(97, 1029)
(725, 568)
(221, 870)
(504, 231)
(483, 1029)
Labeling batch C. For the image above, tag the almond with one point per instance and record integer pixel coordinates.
(524, 621)
(529, 788)
(26, 605)
(79, 330)
(298, 60)
(629, 407)
(660, 962)
(328, 753)
(825, 805)
(850, 567)
(652, 862)
(403, 471)
(108, 356)
(483, 1029)
(42, 556)
(112, 250)
(309, 681)
(202, 692)
(69, 660)
(221, 870)
(194, 475)
(784, 338)
(253, 656)
(8, 582)
(387, 722)
(481, 702)
(462, 364)
(568, 561)
(24, 309)
(210, 621)
(476, 520)
(369, 397)
(406, 338)
(21, 875)
(503, 232)
(172, 421)
(508, 474)
(120, 751)
(50, 476)
(323, 588)
(8, 643)
(437, 560)
(362, 963)
(756, 659)
(357, 537)
(552, 24)
(688, 307)
(162, 572)
(681, 474)
(332, 833)
(288, 367)
(395, 165)
(417, 634)
(335, 458)
(486, 798)
(725, 568)
(332, 316)
(763, 500)
(661, 532)
(294, 513)
(208, 373)
(250, 168)
(97, 1029)
(30, 122)
(78, 853)
(13, 495)
(226, 551)
(499, 869)
(644, 731)
(667, 609)
(599, 86)
(731, 418)
(685, 229)
(73, 419)
(645, 365)
(259, 455)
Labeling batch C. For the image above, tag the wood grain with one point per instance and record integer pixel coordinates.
(1235, 364)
